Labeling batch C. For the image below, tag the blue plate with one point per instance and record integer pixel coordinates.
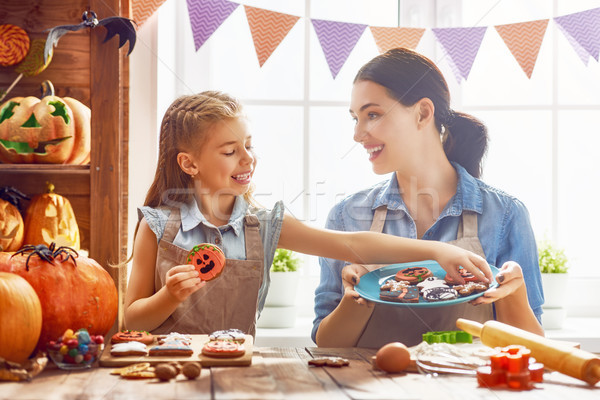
(370, 283)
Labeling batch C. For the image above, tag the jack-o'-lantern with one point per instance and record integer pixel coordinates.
(50, 218)
(11, 222)
(50, 130)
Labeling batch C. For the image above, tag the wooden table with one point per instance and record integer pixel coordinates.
(283, 373)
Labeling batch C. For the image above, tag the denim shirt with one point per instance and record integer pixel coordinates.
(196, 229)
(504, 231)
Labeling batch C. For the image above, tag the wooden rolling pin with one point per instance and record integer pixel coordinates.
(570, 361)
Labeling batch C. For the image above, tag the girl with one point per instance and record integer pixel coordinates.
(201, 193)
(400, 103)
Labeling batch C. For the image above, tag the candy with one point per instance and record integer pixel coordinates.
(14, 45)
(75, 348)
(512, 367)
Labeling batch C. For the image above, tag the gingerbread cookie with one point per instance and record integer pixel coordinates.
(393, 285)
(470, 288)
(413, 275)
(466, 275)
(132, 336)
(128, 349)
(405, 294)
(174, 344)
(439, 294)
(223, 349)
(208, 259)
(229, 334)
(329, 362)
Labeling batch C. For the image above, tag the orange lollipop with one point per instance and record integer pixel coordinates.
(14, 45)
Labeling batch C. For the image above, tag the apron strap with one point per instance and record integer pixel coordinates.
(468, 225)
(254, 248)
(379, 219)
(172, 226)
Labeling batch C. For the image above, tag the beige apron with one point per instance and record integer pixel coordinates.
(407, 324)
(229, 301)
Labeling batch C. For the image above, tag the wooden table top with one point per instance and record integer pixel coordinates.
(284, 373)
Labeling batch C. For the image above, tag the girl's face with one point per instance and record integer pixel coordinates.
(226, 160)
(385, 128)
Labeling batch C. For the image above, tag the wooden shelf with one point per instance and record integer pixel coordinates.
(45, 168)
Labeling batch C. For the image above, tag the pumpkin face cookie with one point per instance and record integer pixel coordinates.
(223, 348)
(413, 275)
(208, 259)
(132, 336)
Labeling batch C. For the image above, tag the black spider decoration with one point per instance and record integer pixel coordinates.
(46, 253)
(13, 195)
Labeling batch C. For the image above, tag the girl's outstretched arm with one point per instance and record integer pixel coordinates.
(146, 310)
(378, 248)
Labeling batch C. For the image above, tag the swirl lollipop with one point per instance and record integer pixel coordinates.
(14, 45)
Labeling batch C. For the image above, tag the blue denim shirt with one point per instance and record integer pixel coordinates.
(196, 229)
(504, 231)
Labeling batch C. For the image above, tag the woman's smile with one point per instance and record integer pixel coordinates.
(374, 151)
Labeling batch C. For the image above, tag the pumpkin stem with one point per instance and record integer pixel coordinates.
(47, 88)
(49, 187)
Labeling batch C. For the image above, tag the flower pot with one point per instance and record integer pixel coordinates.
(555, 290)
(277, 317)
(282, 291)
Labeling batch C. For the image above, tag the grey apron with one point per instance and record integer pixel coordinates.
(229, 301)
(407, 324)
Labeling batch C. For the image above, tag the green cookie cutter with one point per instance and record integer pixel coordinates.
(447, 337)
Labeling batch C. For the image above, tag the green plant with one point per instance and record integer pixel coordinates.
(552, 259)
(285, 261)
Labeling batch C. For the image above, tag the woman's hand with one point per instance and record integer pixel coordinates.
(351, 276)
(182, 281)
(509, 278)
(452, 257)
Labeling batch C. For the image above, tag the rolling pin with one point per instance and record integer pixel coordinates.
(570, 361)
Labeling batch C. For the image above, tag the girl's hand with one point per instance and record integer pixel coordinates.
(510, 278)
(351, 276)
(452, 257)
(182, 281)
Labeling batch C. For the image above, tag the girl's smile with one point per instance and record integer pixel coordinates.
(374, 151)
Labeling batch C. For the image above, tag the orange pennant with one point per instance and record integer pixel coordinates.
(389, 38)
(143, 9)
(268, 29)
(524, 41)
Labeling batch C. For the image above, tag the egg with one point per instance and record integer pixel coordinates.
(393, 357)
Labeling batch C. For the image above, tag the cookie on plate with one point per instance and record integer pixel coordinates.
(132, 336)
(439, 294)
(223, 349)
(470, 288)
(431, 282)
(128, 349)
(466, 275)
(405, 294)
(393, 285)
(413, 275)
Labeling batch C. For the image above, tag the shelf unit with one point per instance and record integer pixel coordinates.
(97, 74)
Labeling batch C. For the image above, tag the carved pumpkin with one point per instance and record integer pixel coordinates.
(75, 291)
(50, 218)
(51, 130)
(11, 221)
(20, 318)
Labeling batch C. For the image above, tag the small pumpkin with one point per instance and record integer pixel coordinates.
(50, 130)
(50, 218)
(11, 222)
(20, 318)
(75, 291)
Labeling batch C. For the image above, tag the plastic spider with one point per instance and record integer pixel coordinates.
(46, 253)
(13, 195)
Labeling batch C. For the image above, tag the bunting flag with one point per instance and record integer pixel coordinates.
(337, 41)
(268, 29)
(206, 16)
(582, 30)
(460, 46)
(390, 38)
(143, 9)
(524, 41)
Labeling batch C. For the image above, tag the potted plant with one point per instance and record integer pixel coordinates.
(280, 304)
(554, 268)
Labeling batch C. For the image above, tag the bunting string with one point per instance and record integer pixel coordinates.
(338, 39)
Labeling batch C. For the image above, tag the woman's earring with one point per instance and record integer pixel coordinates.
(193, 176)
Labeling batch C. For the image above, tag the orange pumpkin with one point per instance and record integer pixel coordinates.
(20, 318)
(51, 130)
(50, 218)
(75, 291)
(11, 227)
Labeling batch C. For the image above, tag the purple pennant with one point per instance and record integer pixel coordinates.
(206, 16)
(461, 46)
(582, 30)
(337, 41)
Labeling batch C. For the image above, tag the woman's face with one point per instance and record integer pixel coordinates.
(383, 126)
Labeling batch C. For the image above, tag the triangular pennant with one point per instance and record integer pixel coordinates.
(582, 30)
(206, 16)
(524, 41)
(389, 38)
(268, 29)
(143, 9)
(337, 41)
(461, 46)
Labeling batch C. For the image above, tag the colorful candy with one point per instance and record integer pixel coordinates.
(511, 367)
(14, 45)
(76, 348)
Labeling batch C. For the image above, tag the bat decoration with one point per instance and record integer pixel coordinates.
(124, 27)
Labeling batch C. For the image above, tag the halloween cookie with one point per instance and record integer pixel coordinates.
(413, 275)
(173, 348)
(229, 334)
(208, 259)
(430, 283)
(175, 337)
(393, 285)
(223, 349)
(470, 288)
(128, 349)
(404, 294)
(132, 336)
(439, 294)
(466, 275)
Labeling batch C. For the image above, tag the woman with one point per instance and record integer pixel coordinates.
(400, 104)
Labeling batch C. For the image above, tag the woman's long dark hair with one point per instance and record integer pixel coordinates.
(409, 77)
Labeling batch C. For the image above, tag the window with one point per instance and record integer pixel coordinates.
(542, 129)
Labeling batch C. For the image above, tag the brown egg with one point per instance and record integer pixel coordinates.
(393, 357)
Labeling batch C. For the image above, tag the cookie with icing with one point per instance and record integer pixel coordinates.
(470, 288)
(430, 283)
(223, 349)
(405, 294)
(132, 336)
(393, 285)
(439, 294)
(208, 259)
(229, 334)
(413, 275)
(128, 349)
(466, 275)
